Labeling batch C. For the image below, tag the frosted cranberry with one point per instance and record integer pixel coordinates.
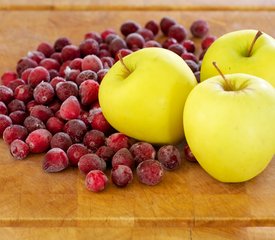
(61, 140)
(177, 32)
(94, 139)
(36, 56)
(42, 112)
(122, 52)
(66, 89)
(117, 44)
(8, 76)
(89, 162)
(15, 105)
(176, 48)
(107, 62)
(13, 132)
(101, 74)
(76, 64)
(70, 52)
(89, 47)
(117, 141)
(57, 80)
(189, 56)
(207, 41)
(5, 121)
(37, 75)
(85, 75)
(165, 24)
(104, 53)
(76, 130)
(25, 74)
(31, 104)
(152, 43)
(93, 35)
(142, 151)
(63, 67)
(46, 49)
(91, 62)
(60, 43)
(15, 83)
(23, 92)
(146, 34)
(199, 28)
(150, 172)
(53, 73)
(123, 157)
(129, 27)
(6, 94)
(39, 140)
(98, 121)
(19, 149)
(88, 91)
(84, 117)
(54, 105)
(70, 108)
(188, 154)
(3, 108)
(50, 63)
(55, 160)
(57, 56)
(96, 181)
(169, 157)
(23, 64)
(104, 152)
(18, 116)
(106, 32)
(33, 123)
(134, 40)
(192, 65)
(71, 74)
(189, 45)
(75, 152)
(43, 93)
(168, 42)
(54, 125)
(121, 175)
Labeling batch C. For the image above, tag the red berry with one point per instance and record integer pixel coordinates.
(177, 32)
(89, 162)
(165, 24)
(70, 108)
(70, 52)
(8, 77)
(207, 41)
(88, 91)
(98, 121)
(121, 175)
(46, 49)
(3, 108)
(142, 151)
(37, 75)
(23, 93)
(36, 56)
(104, 152)
(61, 140)
(66, 89)
(6, 94)
(134, 41)
(189, 45)
(199, 28)
(43, 93)
(50, 64)
(15, 105)
(117, 141)
(75, 152)
(123, 157)
(42, 112)
(23, 64)
(76, 130)
(89, 47)
(169, 157)
(55, 160)
(85, 75)
(5, 121)
(60, 43)
(54, 125)
(13, 132)
(188, 154)
(129, 27)
(18, 116)
(19, 149)
(93, 139)
(153, 26)
(39, 140)
(33, 123)
(96, 181)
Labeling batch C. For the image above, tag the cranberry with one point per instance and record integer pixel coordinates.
(106, 32)
(70, 52)
(42, 112)
(91, 62)
(76, 64)
(105, 152)
(88, 91)
(5, 121)
(15, 105)
(150, 172)
(207, 41)
(57, 56)
(25, 74)
(123, 157)
(146, 34)
(43, 93)
(85, 75)
(60, 43)
(153, 26)
(39, 140)
(76, 130)
(88, 47)
(75, 152)
(36, 56)
(98, 121)
(165, 24)
(94, 139)
(168, 42)
(18, 117)
(84, 117)
(13, 132)
(104, 52)
(6, 94)
(54, 105)
(31, 104)
(169, 157)
(121, 175)
(8, 77)
(117, 141)
(199, 28)
(152, 43)
(188, 154)
(93, 35)
(70, 108)
(176, 48)
(109, 39)
(23, 64)
(189, 56)
(54, 125)
(33, 123)
(37, 75)
(53, 73)
(19, 149)
(15, 83)
(177, 32)
(50, 64)
(61, 140)
(3, 108)
(134, 40)
(55, 160)
(117, 44)
(23, 93)
(129, 27)
(96, 181)
(46, 49)
(189, 45)
(63, 67)
(142, 151)
(66, 89)
(57, 80)
(90, 162)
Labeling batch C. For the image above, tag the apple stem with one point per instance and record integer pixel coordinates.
(258, 34)
(122, 62)
(228, 87)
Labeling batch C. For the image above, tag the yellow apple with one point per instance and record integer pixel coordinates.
(143, 96)
(230, 126)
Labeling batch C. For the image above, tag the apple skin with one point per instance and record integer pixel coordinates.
(231, 133)
(230, 52)
(147, 103)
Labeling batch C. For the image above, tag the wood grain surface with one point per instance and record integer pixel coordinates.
(188, 204)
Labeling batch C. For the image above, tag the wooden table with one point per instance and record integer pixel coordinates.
(188, 204)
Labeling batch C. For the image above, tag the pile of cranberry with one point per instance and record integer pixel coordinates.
(50, 104)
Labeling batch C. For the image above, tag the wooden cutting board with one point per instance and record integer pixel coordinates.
(188, 204)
